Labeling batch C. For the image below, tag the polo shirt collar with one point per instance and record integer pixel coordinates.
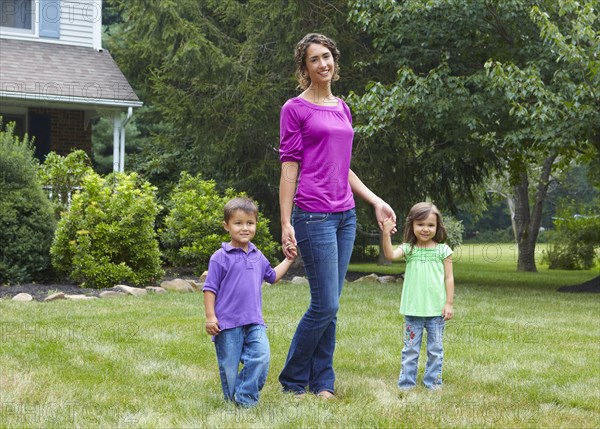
(228, 247)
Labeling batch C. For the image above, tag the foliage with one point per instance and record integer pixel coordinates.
(26, 221)
(103, 143)
(455, 230)
(449, 98)
(64, 175)
(575, 240)
(194, 225)
(107, 236)
(214, 75)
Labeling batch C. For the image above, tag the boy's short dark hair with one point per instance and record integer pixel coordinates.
(241, 203)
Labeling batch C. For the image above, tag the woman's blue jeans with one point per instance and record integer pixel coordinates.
(325, 241)
(413, 334)
(249, 345)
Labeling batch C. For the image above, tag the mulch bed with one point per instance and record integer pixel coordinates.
(592, 286)
(41, 291)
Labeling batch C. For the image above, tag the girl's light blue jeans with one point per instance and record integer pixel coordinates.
(249, 345)
(413, 334)
(325, 241)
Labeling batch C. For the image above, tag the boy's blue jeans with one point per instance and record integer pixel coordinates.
(325, 241)
(249, 345)
(413, 334)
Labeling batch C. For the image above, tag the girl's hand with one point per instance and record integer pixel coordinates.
(288, 241)
(388, 226)
(447, 312)
(212, 326)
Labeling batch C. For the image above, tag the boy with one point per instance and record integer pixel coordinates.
(233, 304)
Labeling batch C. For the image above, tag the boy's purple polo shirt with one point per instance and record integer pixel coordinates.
(236, 277)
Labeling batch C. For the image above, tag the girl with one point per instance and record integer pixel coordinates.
(428, 291)
(316, 196)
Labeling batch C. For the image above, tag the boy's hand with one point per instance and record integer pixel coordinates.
(291, 251)
(212, 326)
(389, 226)
(447, 312)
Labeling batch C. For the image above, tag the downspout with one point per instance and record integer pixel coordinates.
(116, 134)
(122, 145)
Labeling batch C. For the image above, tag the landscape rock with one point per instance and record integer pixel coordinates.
(155, 289)
(135, 291)
(371, 278)
(111, 294)
(55, 296)
(80, 297)
(197, 286)
(22, 297)
(299, 280)
(202, 278)
(177, 285)
(386, 279)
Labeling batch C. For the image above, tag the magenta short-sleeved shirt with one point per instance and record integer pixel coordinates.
(319, 138)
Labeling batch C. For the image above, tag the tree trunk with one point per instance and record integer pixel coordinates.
(528, 221)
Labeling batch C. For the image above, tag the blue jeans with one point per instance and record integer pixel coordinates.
(413, 334)
(249, 345)
(325, 241)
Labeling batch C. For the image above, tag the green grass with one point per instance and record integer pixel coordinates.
(517, 354)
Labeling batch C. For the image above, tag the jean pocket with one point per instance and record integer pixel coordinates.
(316, 217)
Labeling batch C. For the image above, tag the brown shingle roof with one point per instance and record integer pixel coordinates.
(55, 71)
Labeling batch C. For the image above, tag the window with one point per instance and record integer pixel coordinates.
(18, 15)
(19, 122)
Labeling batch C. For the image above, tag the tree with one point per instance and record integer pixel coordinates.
(444, 100)
(559, 114)
(213, 75)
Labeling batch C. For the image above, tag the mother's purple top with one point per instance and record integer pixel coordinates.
(319, 138)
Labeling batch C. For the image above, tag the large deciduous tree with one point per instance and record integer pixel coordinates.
(446, 113)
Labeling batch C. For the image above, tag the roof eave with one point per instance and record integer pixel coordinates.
(50, 99)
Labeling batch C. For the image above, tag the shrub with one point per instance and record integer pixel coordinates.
(26, 221)
(574, 242)
(107, 236)
(194, 224)
(455, 229)
(64, 175)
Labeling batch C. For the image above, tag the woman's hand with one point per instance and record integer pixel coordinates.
(384, 212)
(288, 241)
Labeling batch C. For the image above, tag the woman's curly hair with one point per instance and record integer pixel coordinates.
(300, 57)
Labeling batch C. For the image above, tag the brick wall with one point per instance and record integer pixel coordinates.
(68, 130)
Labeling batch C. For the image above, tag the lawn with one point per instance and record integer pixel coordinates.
(517, 354)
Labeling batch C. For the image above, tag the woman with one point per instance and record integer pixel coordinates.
(315, 151)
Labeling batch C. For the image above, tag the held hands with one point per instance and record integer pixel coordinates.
(288, 242)
(447, 311)
(384, 212)
(389, 226)
(212, 326)
(291, 249)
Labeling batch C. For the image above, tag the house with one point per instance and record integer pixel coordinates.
(55, 77)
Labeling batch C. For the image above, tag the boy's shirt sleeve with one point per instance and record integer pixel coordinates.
(269, 273)
(215, 275)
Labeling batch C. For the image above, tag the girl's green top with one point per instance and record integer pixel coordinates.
(424, 290)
